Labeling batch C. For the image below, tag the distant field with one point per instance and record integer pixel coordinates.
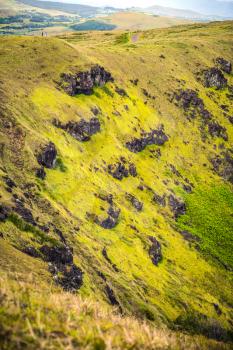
(141, 21)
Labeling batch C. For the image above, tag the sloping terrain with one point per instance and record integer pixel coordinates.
(116, 185)
(141, 21)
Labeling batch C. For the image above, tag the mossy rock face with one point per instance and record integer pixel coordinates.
(138, 181)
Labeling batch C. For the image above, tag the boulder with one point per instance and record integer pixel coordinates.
(71, 279)
(155, 251)
(155, 137)
(81, 130)
(122, 169)
(24, 212)
(84, 82)
(177, 206)
(217, 130)
(57, 255)
(135, 202)
(47, 157)
(118, 170)
(121, 92)
(191, 103)
(223, 165)
(160, 200)
(132, 170)
(4, 212)
(112, 219)
(224, 65)
(40, 173)
(213, 77)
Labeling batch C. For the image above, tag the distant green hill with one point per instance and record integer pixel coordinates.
(93, 25)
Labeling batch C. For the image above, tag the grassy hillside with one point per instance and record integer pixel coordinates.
(167, 258)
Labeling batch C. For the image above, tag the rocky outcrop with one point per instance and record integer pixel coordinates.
(215, 129)
(57, 255)
(105, 255)
(9, 182)
(155, 137)
(112, 220)
(24, 212)
(40, 173)
(61, 265)
(47, 157)
(191, 103)
(108, 222)
(213, 77)
(177, 206)
(31, 251)
(81, 130)
(193, 107)
(224, 65)
(84, 82)
(134, 201)
(223, 165)
(70, 277)
(122, 169)
(121, 92)
(111, 296)
(4, 212)
(160, 200)
(155, 251)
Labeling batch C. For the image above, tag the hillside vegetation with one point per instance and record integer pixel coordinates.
(116, 189)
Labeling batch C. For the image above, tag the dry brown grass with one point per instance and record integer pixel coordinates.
(33, 318)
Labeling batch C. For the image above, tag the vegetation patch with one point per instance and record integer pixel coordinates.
(209, 216)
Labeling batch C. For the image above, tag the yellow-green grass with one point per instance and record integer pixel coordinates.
(186, 281)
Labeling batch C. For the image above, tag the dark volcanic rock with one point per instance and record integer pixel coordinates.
(72, 277)
(30, 250)
(155, 252)
(161, 200)
(40, 173)
(4, 212)
(47, 157)
(24, 213)
(58, 255)
(121, 92)
(132, 170)
(111, 296)
(121, 170)
(108, 223)
(223, 165)
(224, 64)
(118, 170)
(61, 265)
(82, 130)
(177, 206)
(155, 137)
(105, 255)
(217, 130)
(213, 77)
(192, 104)
(189, 236)
(84, 82)
(135, 202)
(9, 182)
(112, 219)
